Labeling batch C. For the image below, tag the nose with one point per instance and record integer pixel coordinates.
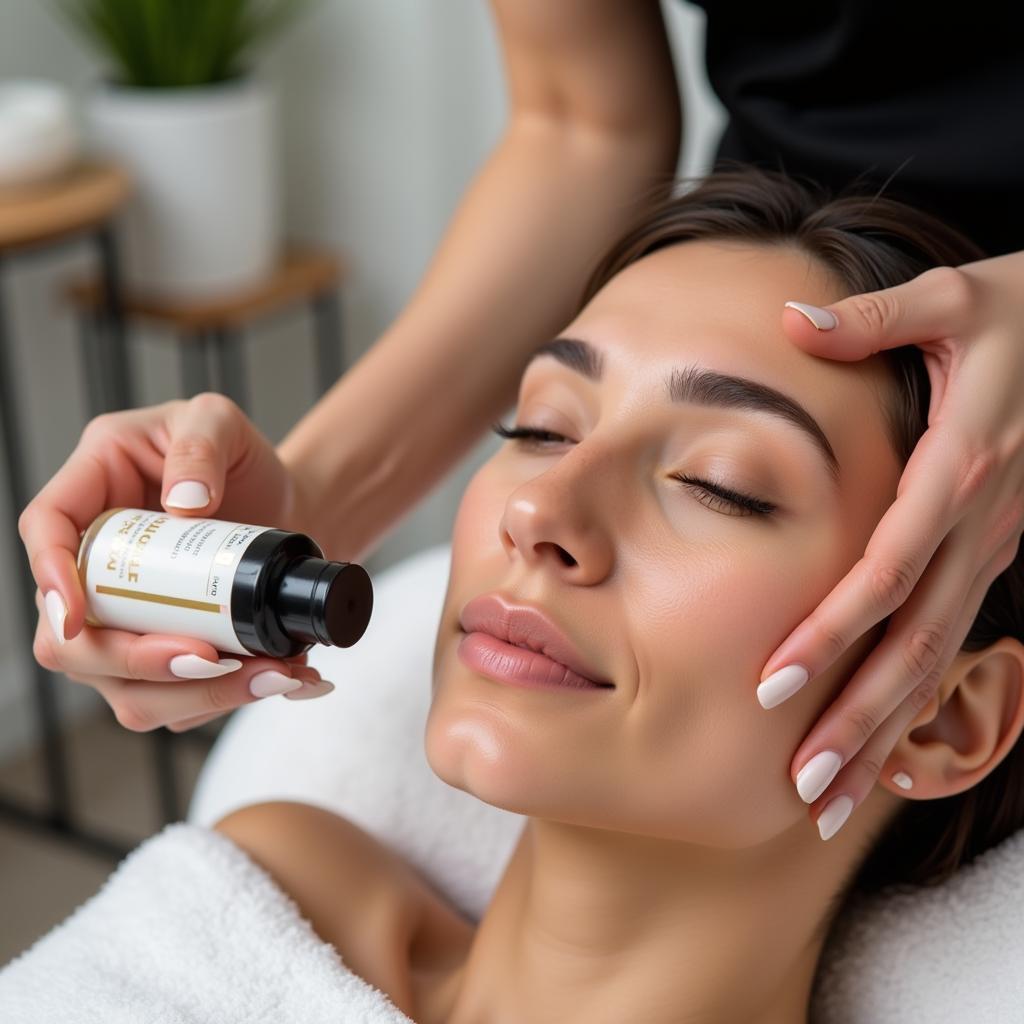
(553, 520)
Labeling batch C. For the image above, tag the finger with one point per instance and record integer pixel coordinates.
(99, 655)
(204, 438)
(52, 524)
(934, 305)
(309, 688)
(141, 706)
(929, 502)
(852, 784)
(906, 663)
(195, 721)
(107, 651)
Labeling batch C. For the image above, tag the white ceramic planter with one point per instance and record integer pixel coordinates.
(204, 219)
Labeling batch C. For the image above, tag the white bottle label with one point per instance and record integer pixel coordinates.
(152, 572)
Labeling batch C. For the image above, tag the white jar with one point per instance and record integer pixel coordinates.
(38, 136)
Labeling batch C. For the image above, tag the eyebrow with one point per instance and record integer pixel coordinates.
(700, 386)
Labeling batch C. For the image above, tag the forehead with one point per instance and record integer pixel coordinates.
(719, 305)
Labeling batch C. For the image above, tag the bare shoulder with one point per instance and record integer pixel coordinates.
(358, 894)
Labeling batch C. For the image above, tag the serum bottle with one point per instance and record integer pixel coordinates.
(244, 589)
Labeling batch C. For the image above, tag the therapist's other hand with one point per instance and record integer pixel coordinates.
(954, 527)
(138, 458)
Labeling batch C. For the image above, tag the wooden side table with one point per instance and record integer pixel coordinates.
(80, 203)
(214, 328)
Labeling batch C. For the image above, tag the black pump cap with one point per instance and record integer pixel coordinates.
(324, 602)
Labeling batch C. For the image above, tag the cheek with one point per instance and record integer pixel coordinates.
(704, 752)
(475, 533)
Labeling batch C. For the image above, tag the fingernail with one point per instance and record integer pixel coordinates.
(831, 820)
(310, 690)
(823, 319)
(812, 779)
(781, 685)
(191, 666)
(266, 684)
(903, 780)
(188, 494)
(56, 612)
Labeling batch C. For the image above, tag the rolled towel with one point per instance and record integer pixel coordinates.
(188, 930)
(38, 135)
(946, 954)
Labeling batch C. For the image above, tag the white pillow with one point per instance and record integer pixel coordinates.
(953, 953)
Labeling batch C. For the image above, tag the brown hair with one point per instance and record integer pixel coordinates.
(868, 243)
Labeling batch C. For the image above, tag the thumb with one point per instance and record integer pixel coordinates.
(195, 466)
(929, 307)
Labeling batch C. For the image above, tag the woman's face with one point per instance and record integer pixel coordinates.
(672, 593)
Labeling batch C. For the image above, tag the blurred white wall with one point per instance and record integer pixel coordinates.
(386, 110)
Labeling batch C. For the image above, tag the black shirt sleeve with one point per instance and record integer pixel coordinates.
(926, 99)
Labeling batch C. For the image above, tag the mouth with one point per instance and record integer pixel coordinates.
(519, 665)
(521, 645)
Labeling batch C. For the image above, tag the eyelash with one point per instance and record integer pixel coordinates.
(750, 505)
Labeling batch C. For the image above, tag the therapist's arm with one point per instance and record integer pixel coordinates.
(594, 119)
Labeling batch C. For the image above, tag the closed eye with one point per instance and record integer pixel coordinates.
(720, 497)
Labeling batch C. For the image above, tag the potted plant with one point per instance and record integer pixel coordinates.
(182, 112)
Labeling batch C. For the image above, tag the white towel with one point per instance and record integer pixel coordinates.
(188, 930)
(947, 954)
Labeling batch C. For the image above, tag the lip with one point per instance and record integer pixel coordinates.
(523, 624)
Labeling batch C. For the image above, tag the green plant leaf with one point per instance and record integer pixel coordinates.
(178, 43)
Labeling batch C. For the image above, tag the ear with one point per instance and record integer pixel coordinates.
(968, 727)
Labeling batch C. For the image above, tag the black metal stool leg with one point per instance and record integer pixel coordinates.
(195, 370)
(17, 496)
(94, 359)
(164, 745)
(329, 341)
(227, 343)
(118, 358)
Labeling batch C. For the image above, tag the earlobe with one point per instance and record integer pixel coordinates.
(970, 725)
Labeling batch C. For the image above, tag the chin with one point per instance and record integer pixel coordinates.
(472, 743)
(471, 747)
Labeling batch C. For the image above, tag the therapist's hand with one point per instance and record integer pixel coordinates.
(139, 458)
(954, 527)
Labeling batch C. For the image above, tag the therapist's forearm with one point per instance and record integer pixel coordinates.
(506, 276)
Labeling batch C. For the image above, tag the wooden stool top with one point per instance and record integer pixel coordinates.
(86, 195)
(303, 273)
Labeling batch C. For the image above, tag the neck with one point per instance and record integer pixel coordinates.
(596, 925)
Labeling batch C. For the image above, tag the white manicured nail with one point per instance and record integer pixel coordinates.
(781, 685)
(831, 820)
(812, 779)
(266, 684)
(903, 780)
(310, 690)
(188, 494)
(191, 666)
(56, 612)
(823, 319)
